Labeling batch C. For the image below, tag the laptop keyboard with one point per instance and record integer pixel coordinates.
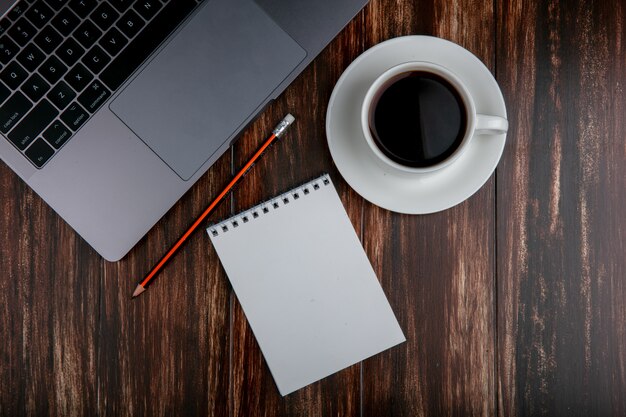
(61, 60)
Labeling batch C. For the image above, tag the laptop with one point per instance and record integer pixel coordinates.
(110, 110)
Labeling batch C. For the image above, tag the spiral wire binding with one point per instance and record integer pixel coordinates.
(264, 208)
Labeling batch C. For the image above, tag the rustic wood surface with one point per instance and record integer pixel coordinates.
(513, 302)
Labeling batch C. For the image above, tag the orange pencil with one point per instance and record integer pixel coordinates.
(277, 133)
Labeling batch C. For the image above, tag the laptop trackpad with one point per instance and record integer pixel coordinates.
(209, 79)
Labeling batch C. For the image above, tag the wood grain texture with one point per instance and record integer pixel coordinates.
(49, 300)
(437, 270)
(513, 302)
(561, 200)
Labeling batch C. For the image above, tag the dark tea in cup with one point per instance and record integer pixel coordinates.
(417, 119)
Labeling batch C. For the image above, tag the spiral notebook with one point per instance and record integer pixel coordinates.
(305, 284)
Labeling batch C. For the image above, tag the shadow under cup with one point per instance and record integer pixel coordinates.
(417, 119)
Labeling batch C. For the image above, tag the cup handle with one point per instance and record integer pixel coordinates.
(491, 125)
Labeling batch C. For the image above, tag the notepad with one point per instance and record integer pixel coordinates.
(305, 285)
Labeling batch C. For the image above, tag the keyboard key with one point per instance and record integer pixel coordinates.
(130, 23)
(4, 25)
(70, 52)
(65, 22)
(57, 134)
(17, 11)
(147, 8)
(33, 124)
(78, 77)
(4, 92)
(13, 110)
(61, 95)
(39, 153)
(83, 7)
(105, 16)
(22, 32)
(75, 116)
(13, 75)
(121, 5)
(8, 49)
(94, 96)
(96, 59)
(87, 34)
(56, 4)
(31, 57)
(140, 48)
(48, 39)
(52, 70)
(35, 87)
(39, 14)
(113, 41)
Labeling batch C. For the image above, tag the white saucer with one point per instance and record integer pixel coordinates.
(426, 193)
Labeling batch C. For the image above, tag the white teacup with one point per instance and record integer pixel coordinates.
(476, 124)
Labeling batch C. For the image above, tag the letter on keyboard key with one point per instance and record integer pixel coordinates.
(83, 7)
(35, 87)
(13, 75)
(70, 52)
(96, 59)
(87, 33)
(61, 95)
(31, 57)
(33, 124)
(52, 70)
(113, 41)
(78, 77)
(130, 23)
(104, 16)
(13, 110)
(39, 153)
(94, 96)
(48, 39)
(65, 22)
(147, 8)
(146, 42)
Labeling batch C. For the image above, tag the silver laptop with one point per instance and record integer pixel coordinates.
(111, 109)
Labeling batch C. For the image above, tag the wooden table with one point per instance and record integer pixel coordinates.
(513, 302)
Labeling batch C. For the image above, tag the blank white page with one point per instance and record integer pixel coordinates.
(305, 284)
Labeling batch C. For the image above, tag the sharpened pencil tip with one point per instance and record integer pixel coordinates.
(138, 290)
